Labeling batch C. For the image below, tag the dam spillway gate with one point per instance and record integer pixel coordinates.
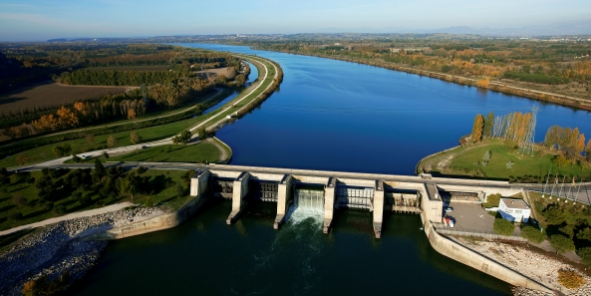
(318, 195)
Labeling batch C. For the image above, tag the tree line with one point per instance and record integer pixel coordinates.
(571, 145)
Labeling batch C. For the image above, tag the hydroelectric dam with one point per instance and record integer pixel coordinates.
(325, 192)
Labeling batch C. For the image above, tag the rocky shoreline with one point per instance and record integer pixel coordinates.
(60, 247)
(541, 268)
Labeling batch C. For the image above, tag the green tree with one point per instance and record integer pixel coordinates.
(562, 244)
(99, 169)
(532, 234)
(554, 214)
(477, 128)
(585, 254)
(488, 124)
(183, 137)
(201, 133)
(584, 234)
(503, 227)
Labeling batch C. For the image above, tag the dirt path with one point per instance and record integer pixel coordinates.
(107, 209)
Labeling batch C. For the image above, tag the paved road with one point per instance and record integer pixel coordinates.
(107, 209)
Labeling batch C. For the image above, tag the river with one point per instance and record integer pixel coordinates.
(329, 115)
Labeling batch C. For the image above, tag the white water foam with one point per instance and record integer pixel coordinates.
(308, 205)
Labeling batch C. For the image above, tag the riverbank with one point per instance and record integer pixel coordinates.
(538, 266)
(498, 86)
(62, 247)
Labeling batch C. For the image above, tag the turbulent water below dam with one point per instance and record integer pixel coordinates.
(328, 115)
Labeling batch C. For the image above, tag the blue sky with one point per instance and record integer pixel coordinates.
(44, 19)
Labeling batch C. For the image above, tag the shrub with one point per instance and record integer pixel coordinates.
(570, 279)
(503, 227)
(532, 234)
(19, 200)
(561, 243)
(554, 214)
(60, 209)
(16, 216)
(585, 254)
(492, 200)
(48, 206)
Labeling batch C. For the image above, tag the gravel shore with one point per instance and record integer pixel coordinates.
(543, 269)
(60, 247)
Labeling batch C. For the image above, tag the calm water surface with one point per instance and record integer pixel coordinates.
(329, 115)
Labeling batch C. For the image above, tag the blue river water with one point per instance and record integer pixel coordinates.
(329, 115)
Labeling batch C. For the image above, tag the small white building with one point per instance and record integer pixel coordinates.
(514, 209)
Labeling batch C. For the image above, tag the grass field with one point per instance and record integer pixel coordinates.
(34, 211)
(53, 94)
(200, 152)
(468, 162)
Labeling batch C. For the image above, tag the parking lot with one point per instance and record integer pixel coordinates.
(470, 217)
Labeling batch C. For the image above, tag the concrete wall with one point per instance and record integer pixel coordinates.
(329, 200)
(283, 199)
(161, 222)
(240, 191)
(477, 261)
(378, 208)
(267, 177)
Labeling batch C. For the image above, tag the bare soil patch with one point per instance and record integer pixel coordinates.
(211, 74)
(53, 94)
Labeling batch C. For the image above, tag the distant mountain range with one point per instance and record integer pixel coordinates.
(553, 29)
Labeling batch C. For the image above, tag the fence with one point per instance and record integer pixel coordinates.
(480, 233)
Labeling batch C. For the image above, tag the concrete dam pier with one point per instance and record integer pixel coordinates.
(329, 191)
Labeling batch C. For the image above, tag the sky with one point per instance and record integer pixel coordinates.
(30, 20)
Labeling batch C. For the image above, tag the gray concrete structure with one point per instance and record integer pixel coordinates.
(283, 200)
(329, 201)
(240, 191)
(378, 208)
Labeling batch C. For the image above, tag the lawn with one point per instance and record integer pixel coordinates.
(200, 152)
(164, 186)
(469, 162)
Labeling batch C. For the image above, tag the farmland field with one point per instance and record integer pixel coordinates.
(52, 94)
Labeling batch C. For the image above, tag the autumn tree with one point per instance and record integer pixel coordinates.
(135, 137)
(477, 128)
(131, 114)
(580, 146)
(67, 118)
(89, 138)
(483, 82)
(111, 142)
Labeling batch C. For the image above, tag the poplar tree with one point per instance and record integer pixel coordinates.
(477, 128)
(488, 124)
